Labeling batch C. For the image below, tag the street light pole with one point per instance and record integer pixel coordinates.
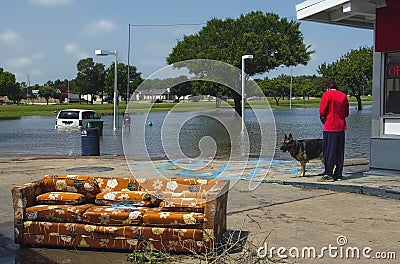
(115, 53)
(291, 86)
(27, 89)
(243, 86)
(129, 51)
(115, 90)
(68, 92)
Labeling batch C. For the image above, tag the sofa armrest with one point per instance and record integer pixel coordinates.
(215, 210)
(23, 196)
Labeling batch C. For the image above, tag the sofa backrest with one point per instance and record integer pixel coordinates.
(160, 187)
(182, 188)
(118, 184)
(86, 185)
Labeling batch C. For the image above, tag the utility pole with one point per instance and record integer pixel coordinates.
(129, 51)
(27, 89)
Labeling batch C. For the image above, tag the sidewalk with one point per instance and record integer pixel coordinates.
(277, 212)
(357, 177)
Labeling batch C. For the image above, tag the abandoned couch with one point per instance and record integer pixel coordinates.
(174, 215)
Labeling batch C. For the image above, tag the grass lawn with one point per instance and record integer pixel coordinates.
(12, 110)
(314, 102)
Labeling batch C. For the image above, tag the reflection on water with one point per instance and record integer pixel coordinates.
(36, 134)
(214, 129)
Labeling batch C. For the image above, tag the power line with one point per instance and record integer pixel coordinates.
(149, 25)
(167, 25)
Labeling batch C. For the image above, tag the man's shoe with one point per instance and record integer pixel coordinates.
(327, 178)
(338, 178)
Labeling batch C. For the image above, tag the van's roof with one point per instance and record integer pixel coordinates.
(78, 110)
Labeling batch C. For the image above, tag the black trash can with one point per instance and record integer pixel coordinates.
(96, 124)
(90, 142)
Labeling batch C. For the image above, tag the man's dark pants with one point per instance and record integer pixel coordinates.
(333, 148)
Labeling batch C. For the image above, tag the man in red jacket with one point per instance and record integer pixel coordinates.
(333, 110)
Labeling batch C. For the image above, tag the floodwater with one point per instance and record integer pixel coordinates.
(37, 135)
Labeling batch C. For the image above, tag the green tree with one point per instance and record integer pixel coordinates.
(17, 93)
(122, 85)
(9, 87)
(210, 88)
(73, 87)
(307, 86)
(135, 79)
(90, 77)
(352, 72)
(273, 41)
(47, 91)
(184, 88)
(58, 86)
(276, 87)
(32, 96)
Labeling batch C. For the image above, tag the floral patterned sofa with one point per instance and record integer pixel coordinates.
(175, 215)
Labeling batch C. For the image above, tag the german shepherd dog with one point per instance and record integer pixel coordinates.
(303, 150)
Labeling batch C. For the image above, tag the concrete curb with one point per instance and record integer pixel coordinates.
(374, 191)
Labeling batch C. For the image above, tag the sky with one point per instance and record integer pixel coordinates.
(42, 40)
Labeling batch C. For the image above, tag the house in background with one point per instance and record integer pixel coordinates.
(153, 95)
(382, 16)
(69, 97)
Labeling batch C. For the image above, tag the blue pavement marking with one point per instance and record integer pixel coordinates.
(281, 161)
(294, 170)
(224, 166)
(165, 166)
(256, 171)
(221, 169)
(185, 172)
(194, 164)
(229, 170)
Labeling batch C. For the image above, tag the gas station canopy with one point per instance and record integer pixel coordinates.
(354, 13)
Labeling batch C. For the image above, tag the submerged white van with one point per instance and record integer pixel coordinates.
(75, 118)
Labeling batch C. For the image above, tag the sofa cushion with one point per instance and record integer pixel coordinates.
(56, 213)
(157, 217)
(176, 185)
(113, 215)
(184, 194)
(118, 184)
(183, 204)
(61, 198)
(86, 185)
(137, 198)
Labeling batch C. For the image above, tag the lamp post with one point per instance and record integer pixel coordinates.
(68, 92)
(243, 86)
(115, 53)
(128, 77)
(27, 89)
(291, 86)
